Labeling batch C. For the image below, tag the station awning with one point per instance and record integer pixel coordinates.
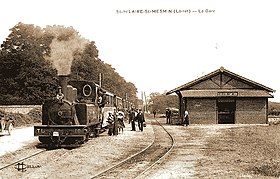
(226, 93)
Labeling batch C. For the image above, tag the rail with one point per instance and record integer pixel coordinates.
(132, 167)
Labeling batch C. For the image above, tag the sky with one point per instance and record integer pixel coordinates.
(161, 44)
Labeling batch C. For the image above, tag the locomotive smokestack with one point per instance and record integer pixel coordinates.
(63, 80)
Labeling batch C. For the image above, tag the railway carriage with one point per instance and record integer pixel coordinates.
(109, 107)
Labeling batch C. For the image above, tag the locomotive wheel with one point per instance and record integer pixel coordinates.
(75, 140)
(96, 133)
(110, 131)
(87, 137)
(45, 140)
(10, 127)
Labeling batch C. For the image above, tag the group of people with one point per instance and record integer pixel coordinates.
(136, 116)
(168, 114)
(111, 122)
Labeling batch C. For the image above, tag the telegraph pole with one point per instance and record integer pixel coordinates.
(145, 102)
(100, 79)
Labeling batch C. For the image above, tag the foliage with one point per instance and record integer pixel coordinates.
(32, 117)
(25, 76)
(273, 108)
(31, 59)
(271, 168)
(87, 66)
(160, 102)
(36, 115)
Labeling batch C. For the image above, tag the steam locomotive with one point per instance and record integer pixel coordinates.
(78, 112)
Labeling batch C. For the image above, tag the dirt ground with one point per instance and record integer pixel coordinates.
(243, 151)
(188, 151)
(83, 162)
(200, 151)
(20, 137)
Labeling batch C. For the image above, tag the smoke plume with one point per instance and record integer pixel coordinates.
(66, 41)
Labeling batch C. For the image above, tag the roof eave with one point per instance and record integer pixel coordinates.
(222, 70)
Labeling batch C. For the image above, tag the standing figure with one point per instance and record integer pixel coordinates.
(2, 122)
(168, 115)
(186, 118)
(110, 123)
(132, 119)
(154, 112)
(101, 98)
(101, 103)
(120, 117)
(59, 95)
(141, 119)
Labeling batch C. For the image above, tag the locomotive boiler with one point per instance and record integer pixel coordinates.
(73, 116)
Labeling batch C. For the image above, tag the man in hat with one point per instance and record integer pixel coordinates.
(132, 116)
(141, 119)
(168, 115)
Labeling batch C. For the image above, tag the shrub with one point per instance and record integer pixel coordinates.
(36, 115)
(271, 168)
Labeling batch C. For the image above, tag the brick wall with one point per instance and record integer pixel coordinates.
(201, 110)
(248, 110)
(251, 111)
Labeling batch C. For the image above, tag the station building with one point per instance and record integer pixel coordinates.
(223, 97)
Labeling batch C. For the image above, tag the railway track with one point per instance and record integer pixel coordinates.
(22, 159)
(138, 164)
(17, 163)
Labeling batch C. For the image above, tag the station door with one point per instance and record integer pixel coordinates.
(226, 111)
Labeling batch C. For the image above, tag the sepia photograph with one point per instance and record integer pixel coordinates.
(158, 89)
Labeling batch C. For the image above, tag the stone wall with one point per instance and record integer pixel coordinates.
(23, 109)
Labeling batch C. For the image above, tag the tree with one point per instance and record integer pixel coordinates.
(87, 66)
(25, 75)
(159, 102)
(32, 58)
(273, 108)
